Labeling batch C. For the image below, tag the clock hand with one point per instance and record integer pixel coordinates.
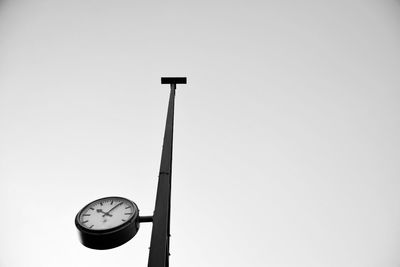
(108, 212)
(105, 213)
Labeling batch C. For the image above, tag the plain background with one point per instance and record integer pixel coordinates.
(286, 145)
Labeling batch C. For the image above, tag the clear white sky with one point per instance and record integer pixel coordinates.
(287, 145)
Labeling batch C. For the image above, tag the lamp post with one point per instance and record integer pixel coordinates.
(159, 245)
(112, 221)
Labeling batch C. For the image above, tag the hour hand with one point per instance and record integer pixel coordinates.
(105, 213)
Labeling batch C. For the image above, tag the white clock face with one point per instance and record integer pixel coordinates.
(107, 213)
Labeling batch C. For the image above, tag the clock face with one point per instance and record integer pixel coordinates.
(107, 213)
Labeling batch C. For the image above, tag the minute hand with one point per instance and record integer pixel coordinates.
(107, 213)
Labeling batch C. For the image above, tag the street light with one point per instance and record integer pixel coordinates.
(112, 221)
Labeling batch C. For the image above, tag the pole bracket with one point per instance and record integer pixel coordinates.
(143, 219)
(173, 80)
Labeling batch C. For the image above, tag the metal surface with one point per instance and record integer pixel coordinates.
(159, 244)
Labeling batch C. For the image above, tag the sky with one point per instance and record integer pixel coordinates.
(286, 145)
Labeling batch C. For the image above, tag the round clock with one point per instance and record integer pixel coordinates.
(107, 222)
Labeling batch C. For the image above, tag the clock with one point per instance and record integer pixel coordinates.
(107, 222)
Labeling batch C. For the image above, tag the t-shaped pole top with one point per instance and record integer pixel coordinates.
(173, 80)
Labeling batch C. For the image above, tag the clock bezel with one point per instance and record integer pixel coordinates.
(132, 218)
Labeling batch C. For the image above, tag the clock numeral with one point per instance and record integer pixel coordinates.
(127, 207)
(128, 213)
(112, 201)
(92, 208)
(85, 221)
(86, 214)
(91, 226)
(101, 203)
(123, 220)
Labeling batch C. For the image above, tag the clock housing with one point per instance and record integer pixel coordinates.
(110, 237)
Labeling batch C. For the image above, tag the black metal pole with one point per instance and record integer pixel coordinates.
(159, 244)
